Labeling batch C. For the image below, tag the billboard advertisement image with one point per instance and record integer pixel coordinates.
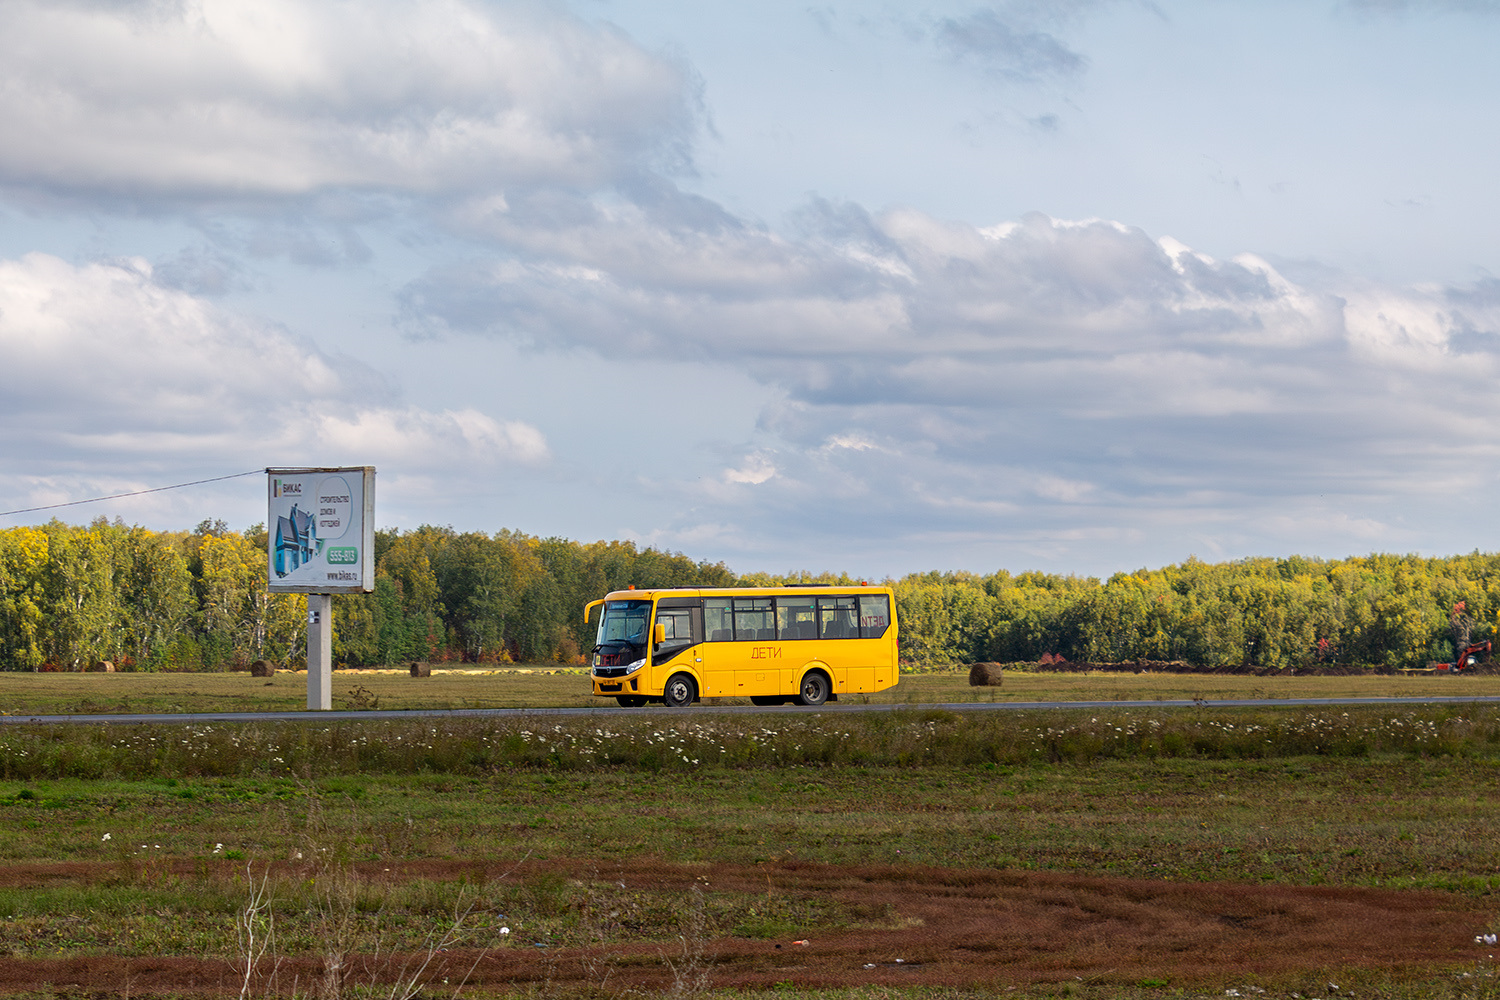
(320, 528)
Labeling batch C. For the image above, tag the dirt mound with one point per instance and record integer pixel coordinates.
(933, 926)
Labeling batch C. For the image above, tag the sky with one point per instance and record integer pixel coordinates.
(1081, 286)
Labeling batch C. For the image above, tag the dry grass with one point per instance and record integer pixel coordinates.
(559, 687)
(72, 694)
(1116, 686)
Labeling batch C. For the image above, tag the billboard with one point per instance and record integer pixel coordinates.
(320, 529)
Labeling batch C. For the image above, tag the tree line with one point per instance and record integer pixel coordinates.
(72, 595)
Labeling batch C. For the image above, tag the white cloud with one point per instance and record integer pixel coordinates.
(1035, 372)
(104, 370)
(755, 470)
(899, 306)
(1057, 488)
(413, 437)
(103, 349)
(173, 98)
(854, 442)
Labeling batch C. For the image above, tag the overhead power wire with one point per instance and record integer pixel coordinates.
(136, 493)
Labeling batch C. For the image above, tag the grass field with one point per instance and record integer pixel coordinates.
(548, 686)
(697, 849)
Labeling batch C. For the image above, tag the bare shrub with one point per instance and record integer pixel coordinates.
(255, 928)
(692, 969)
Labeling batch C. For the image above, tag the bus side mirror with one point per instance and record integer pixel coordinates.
(658, 633)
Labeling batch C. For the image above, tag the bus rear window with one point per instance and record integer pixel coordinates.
(874, 615)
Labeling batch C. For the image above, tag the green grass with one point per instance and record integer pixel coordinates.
(1365, 797)
(1387, 820)
(651, 742)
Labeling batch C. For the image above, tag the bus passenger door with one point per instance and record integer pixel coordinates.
(717, 664)
(717, 670)
(681, 622)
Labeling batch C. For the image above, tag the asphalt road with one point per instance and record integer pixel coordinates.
(197, 718)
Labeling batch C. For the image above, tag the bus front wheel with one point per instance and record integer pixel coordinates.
(814, 689)
(680, 691)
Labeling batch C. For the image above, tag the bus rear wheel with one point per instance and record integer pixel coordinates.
(679, 692)
(631, 700)
(767, 699)
(814, 688)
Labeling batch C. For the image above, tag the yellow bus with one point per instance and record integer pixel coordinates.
(807, 644)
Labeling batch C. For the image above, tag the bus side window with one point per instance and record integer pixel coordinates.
(874, 615)
(717, 623)
(681, 619)
(752, 618)
(678, 625)
(836, 618)
(795, 618)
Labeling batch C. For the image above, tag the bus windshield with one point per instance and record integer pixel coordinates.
(624, 621)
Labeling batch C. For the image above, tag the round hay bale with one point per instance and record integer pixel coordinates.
(421, 668)
(260, 668)
(986, 675)
(100, 667)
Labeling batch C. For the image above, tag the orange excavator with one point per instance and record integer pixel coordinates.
(1464, 660)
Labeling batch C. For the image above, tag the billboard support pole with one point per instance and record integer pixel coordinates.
(319, 652)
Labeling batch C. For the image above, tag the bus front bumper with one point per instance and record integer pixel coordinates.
(609, 687)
